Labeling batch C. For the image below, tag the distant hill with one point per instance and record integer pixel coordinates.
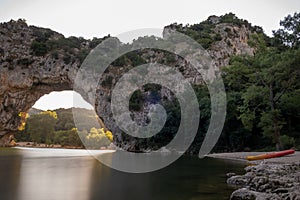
(65, 120)
(34, 111)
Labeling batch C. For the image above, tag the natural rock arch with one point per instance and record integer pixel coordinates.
(26, 74)
(36, 61)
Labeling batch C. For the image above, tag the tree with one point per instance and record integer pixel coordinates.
(97, 138)
(67, 138)
(23, 116)
(289, 34)
(41, 127)
(266, 78)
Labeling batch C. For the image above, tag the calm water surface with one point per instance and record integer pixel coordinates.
(58, 174)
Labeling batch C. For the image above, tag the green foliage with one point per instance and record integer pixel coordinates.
(66, 44)
(135, 58)
(289, 34)
(108, 81)
(55, 55)
(70, 47)
(96, 139)
(266, 96)
(65, 120)
(25, 62)
(95, 41)
(233, 19)
(41, 127)
(258, 41)
(67, 59)
(39, 48)
(265, 84)
(287, 141)
(202, 32)
(152, 87)
(205, 34)
(41, 34)
(82, 54)
(57, 127)
(136, 101)
(67, 138)
(263, 91)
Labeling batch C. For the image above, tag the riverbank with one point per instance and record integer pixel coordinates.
(56, 146)
(275, 178)
(241, 156)
(33, 145)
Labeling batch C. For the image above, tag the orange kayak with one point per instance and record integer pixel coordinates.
(271, 155)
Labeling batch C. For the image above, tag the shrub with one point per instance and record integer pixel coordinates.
(287, 141)
(108, 81)
(42, 35)
(95, 41)
(24, 61)
(54, 55)
(67, 59)
(39, 48)
(81, 55)
(1, 52)
(136, 101)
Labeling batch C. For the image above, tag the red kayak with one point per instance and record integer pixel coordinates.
(271, 155)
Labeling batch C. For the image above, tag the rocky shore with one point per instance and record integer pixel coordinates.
(267, 181)
(273, 179)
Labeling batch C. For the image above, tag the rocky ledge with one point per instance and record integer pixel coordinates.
(267, 181)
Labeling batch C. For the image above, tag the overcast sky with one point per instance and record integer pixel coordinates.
(90, 18)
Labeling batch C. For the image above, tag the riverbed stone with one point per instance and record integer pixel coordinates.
(246, 194)
(238, 180)
(268, 181)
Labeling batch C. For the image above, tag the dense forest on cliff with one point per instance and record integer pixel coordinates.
(263, 91)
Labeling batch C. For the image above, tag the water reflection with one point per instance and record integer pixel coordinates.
(66, 174)
(187, 179)
(10, 165)
(58, 178)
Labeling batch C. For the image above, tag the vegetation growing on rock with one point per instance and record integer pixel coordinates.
(260, 75)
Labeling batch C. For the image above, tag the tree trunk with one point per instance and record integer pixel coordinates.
(275, 120)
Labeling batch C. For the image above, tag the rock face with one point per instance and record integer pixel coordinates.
(267, 181)
(234, 42)
(36, 61)
(25, 76)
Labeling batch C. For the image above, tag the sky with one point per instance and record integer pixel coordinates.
(98, 18)
(64, 99)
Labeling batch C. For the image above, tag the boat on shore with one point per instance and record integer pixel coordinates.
(271, 155)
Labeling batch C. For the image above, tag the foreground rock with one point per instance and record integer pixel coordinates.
(267, 181)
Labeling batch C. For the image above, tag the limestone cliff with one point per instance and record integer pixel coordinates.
(26, 73)
(36, 61)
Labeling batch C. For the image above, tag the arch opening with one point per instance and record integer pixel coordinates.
(50, 123)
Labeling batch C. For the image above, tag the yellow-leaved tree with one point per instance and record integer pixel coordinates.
(23, 116)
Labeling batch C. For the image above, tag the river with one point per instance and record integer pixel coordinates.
(60, 174)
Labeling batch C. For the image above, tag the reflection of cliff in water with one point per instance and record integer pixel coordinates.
(187, 178)
(60, 174)
(110, 184)
(10, 165)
